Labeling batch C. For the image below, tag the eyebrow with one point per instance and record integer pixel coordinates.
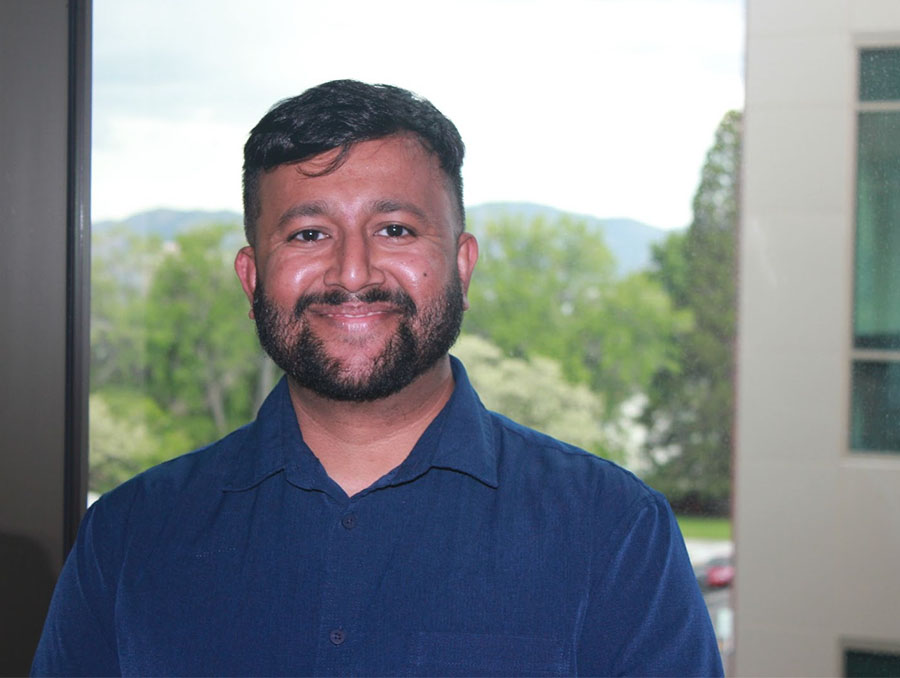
(318, 208)
(313, 208)
(388, 205)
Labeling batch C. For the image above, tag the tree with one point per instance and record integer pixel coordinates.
(175, 363)
(122, 267)
(128, 433)
(534, 392)
(690, 407)
(203, 357)
(549, 288)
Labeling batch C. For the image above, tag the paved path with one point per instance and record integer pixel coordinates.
(701, 550)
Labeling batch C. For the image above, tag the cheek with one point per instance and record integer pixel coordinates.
(408, 272)
(285, 282)
(427, 284)
(421, 269)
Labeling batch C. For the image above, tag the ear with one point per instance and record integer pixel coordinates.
(466, 256)
(245, 267)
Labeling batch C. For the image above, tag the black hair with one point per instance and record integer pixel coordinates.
(338, 114)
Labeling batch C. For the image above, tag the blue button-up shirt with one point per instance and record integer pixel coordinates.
(491, 550)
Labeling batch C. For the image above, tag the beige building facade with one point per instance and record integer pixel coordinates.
(817, 451)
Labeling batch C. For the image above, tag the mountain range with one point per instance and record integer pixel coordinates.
(629, 241)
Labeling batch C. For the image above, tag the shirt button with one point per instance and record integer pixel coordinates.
(337, 636)
(349, 521)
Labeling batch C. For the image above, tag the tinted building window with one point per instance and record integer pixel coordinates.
(876, 333)
(861, 663)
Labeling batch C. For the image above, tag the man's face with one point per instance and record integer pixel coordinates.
(358, 278)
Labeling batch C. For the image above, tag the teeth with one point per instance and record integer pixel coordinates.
(356, 315)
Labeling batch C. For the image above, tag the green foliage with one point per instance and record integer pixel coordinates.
(123, 264)
(549, 288)
(534, 392)
(201, 349)
(671, 267)
(554, 338)
(175, 361)
(119, 446)
(689, 413)
(128, 433)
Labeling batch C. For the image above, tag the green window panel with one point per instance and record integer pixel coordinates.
(879, 75)
(877, 285)
(876, 407)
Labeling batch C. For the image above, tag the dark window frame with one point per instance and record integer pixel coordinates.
(45, 75)
(78, 282)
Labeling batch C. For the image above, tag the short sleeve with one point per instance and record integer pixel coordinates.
(645, 615)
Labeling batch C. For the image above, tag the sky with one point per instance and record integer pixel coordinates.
(597, 107)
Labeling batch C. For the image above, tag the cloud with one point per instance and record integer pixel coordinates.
(598, 106)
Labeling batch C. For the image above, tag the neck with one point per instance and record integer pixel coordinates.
(357, 443)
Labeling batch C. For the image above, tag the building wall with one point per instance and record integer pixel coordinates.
(817, 527)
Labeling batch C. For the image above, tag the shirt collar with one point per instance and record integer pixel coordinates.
(460, 438)
(271, 444)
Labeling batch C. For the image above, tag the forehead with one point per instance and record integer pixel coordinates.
(397, 167)
(390, 159)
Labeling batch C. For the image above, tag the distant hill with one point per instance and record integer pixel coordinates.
(627, 239)
(167, 224)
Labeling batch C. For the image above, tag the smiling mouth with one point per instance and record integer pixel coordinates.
(358, 319)
(374, 302)
(355, 310)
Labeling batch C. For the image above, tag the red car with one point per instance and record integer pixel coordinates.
(717, 573)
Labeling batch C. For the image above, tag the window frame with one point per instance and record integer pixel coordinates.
(45, 73)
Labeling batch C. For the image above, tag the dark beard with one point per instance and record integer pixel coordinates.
(423, 337)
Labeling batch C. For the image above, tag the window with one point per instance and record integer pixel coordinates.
(871, 664)
(875, 415)
(175, 364)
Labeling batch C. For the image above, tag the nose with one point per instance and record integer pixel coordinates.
(353, 266)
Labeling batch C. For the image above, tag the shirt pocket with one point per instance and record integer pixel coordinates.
(479, 654)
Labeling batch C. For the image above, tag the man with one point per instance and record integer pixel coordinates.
(375, 519)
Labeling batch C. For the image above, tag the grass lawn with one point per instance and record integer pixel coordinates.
(694, 527)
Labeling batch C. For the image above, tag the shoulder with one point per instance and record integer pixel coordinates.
(251, 451)
(149, 497)
(536, 465)
(529, 457)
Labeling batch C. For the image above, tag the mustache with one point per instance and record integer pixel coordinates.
(398, 298)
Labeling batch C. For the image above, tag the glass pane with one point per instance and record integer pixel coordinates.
(875, 425)
(175, 362)
(879, 75)
(877, 311)
(871, 664)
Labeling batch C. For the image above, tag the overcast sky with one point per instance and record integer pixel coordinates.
(600, 107)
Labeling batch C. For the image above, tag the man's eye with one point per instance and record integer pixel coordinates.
(308, 235)
(395, 231)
